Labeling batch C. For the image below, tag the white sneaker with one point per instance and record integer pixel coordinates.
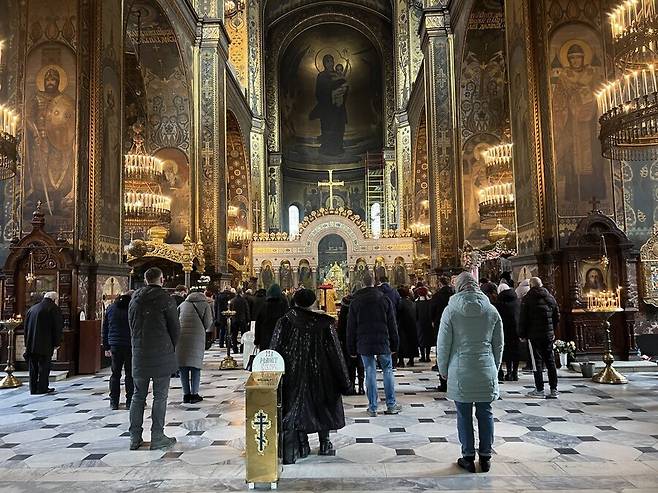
(553, 395)
(536, 394)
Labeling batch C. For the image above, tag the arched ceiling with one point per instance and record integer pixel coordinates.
(275, 10)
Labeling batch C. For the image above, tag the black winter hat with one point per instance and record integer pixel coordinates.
(304, 298)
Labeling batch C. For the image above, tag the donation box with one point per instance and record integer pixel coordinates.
(262, 419)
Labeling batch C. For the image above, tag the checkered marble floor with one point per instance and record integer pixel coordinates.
(592, 437)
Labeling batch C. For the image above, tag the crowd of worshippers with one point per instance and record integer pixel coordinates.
(476, 327)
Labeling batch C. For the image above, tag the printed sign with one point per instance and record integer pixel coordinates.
(269, 360)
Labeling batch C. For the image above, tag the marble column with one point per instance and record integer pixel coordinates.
(438, 52)
(211, 53)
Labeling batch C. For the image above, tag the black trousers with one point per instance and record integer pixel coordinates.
(121, 360)
(39, 373)
(544, 356)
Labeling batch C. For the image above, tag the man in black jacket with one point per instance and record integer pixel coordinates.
(116, 342)
(539, 318)
(221, 305)
(372, 333)
(154, 329)
(44, 325)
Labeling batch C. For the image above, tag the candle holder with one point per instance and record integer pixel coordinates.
(609, 375)
(10, 381)
(228, 363)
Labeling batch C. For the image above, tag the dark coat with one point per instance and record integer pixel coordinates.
(316, 374)
(155, 329)
(540, 315)
(242, 316)
(44, 325)
(391, 294)
(371, 324)
(341, 325)
(508, 307)
(116, 329)
(221, 305)
(425, 327)
(178, 299)
(407, 329)
(256, 303)
(440, 301)
(273, 310)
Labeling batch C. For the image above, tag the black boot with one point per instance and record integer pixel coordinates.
(501, 376)
(515, 371)
(304, 447)
(411, 362)
(467, 463)
(326, 447)
(443, 385)
(290, 447)
(485, 464)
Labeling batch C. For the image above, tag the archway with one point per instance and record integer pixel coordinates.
(332, 250)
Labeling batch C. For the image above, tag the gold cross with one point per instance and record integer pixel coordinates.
(331, 184)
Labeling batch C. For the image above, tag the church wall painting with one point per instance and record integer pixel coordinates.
(50, 129)
(177, 186)
(484, 106)
(577, 70)
(331, 102)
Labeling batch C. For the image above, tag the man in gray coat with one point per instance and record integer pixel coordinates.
(154, 331)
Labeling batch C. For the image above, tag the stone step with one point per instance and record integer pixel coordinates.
(622, 366)
(55, 375)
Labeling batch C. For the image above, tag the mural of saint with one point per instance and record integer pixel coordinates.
(305, 278)
(331, 90)
(285, 274)
(576, 74)
(267, 276)
(330, 98)
(51, 120)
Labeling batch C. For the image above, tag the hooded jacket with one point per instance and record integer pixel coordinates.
(116, 329)
(316, 373)
(507, 304)
(154, 330)
(195, 315)
(539, 315)
(470, 347)
(274, 308)
(391, 294)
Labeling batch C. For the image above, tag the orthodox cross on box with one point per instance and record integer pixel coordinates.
(260, 424)
(331, 184)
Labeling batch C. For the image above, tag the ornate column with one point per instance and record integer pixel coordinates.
(274, 192)
(211, 53)
(437, 46)
(392, 212)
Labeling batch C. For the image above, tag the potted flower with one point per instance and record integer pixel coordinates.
(564, 349)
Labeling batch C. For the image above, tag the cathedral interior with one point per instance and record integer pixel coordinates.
(305, 143)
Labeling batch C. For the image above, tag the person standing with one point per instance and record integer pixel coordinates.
(390, 293)
(116, 343)
(256, 303)
(355, 369)
(195, 316)
(315, 379)
(407, 328)
(372, 333)
(221, 305)
(424, 323)
(44, 325)
(241, 319)
(274, 308)
(507, 304)
(469, 349)
(180, 293)
(540, 316)
(154, 330)
(439, 303)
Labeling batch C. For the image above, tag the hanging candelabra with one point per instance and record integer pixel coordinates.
(8, 143)
(497, 199)
(629, 104)
(144, 204)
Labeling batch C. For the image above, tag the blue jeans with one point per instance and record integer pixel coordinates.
(189, 379)
(485, 419)
(370, 366)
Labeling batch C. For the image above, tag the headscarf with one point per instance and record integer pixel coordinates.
(503, 286)
(274, 291)
(466, 282)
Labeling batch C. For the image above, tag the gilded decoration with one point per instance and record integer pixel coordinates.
(649, 270)
(186, 254)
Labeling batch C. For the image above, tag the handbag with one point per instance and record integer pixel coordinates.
(252, 356)
(208, 342)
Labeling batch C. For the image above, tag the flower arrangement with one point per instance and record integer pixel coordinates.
(564, 347)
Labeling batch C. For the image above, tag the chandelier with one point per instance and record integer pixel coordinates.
(8, 143)
(497, 199)
(238, 234)
(629, 105)
(420, 229)
(144, 205)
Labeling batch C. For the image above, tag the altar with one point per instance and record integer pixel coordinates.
(333, 245)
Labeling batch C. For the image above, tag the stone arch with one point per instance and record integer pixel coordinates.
(341, 226)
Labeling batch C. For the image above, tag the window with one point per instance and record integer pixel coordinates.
(293, 221)
(376, 219)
